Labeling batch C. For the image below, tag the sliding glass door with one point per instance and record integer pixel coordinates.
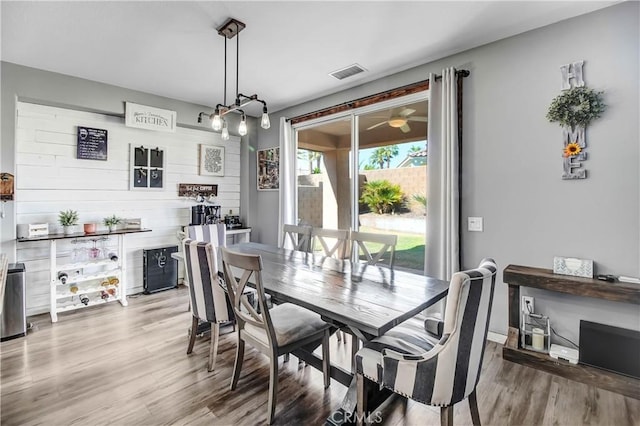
(366, 170)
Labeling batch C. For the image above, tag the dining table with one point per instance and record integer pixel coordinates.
(366, 300)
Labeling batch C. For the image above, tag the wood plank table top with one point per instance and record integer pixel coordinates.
(367, 298)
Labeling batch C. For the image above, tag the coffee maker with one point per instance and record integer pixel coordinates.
(205, 215)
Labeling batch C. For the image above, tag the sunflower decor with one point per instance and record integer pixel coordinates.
(572, 149)
(577, 106)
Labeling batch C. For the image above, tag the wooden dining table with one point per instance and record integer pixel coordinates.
(367, 300)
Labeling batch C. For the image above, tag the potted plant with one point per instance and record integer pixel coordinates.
(67, 219)
(111, 222)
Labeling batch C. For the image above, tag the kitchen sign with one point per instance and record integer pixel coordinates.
(150, 118)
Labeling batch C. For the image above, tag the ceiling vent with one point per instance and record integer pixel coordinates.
(343, 73)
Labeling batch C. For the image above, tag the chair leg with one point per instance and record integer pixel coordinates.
(192, 334)
(339, 335)
(286, 357)
(238, 365)
(473, 407)
(361, 401)
(326, 364)
(213, 349)
(446, 416)
(273, 388)
(355, 346)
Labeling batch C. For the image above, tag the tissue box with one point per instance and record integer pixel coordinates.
(31, 230)
(572, 266)
(135, 223)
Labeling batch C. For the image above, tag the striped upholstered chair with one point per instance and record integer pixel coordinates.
(407, 362)
(215, 234)
(209, 301)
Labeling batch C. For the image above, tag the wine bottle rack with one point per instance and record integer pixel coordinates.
(87, 274)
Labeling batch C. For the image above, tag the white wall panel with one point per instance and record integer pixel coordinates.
(50, 178)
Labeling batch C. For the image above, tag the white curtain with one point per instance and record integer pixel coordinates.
(288, 194)
(443, 245)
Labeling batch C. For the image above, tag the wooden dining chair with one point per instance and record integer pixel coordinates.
(209, 302)
(362, 246)
(333, 242)
(274, 332)
(298, 235)
(407, 361)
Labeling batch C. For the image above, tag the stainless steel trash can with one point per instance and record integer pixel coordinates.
(14, 321)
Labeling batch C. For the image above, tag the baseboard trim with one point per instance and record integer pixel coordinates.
(496, 337)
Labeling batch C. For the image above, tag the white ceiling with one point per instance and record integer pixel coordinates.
(287, 48)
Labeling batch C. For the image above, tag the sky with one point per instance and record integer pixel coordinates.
(402, 154)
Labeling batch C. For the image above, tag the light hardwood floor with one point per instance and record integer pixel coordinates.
(128, 366)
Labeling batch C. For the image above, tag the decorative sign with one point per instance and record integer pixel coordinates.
(150, 118)
(268, 169)
(211, 160)
(147, 167)
(192, 190)
(92, 144)
(574, 109)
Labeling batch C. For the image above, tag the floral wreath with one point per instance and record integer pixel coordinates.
(577, 106)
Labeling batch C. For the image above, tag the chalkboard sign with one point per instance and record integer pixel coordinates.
(92, 143)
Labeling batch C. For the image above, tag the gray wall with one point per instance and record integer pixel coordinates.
(512, 159)
(47, 88)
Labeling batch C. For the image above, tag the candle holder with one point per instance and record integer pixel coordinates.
(535, 332)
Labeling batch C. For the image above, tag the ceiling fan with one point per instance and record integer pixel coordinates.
(400, 119)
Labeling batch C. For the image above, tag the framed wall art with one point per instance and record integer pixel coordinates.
(268, 169)
(147, 166)
(211, 160)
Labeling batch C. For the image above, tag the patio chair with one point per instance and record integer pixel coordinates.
(274, 332)
(407, 362)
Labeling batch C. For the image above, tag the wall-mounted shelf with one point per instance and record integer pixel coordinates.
(524, 276)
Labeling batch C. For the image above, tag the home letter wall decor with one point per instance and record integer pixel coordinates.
(574, 109)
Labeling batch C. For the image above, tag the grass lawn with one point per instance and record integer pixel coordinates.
(409, 250)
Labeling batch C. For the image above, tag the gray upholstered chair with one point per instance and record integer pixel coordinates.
(361, 242)
(298, 235)
(209, 302)
(274, 332)
(333, 242)
(406, 361)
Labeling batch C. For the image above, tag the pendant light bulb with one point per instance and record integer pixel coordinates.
(216, 121)
(242, 128)
(264, 122)
(225, 132)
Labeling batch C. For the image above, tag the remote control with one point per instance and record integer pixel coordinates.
(608, 278)
(629, 279)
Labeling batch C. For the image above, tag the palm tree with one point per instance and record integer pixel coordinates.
(415, 148)
(378, 157)
(390, 151)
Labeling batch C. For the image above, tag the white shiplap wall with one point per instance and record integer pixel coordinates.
(49, 179)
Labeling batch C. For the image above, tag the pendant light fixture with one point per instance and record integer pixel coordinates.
(230, 29)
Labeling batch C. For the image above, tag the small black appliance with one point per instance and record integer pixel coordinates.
(160, 270)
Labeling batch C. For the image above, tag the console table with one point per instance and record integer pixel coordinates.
(516, 276)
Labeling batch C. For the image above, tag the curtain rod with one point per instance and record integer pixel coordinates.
(371, 99)
(459, 73)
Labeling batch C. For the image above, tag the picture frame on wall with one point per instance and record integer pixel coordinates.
(211, 160)
(147, 165)
(268, 162)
